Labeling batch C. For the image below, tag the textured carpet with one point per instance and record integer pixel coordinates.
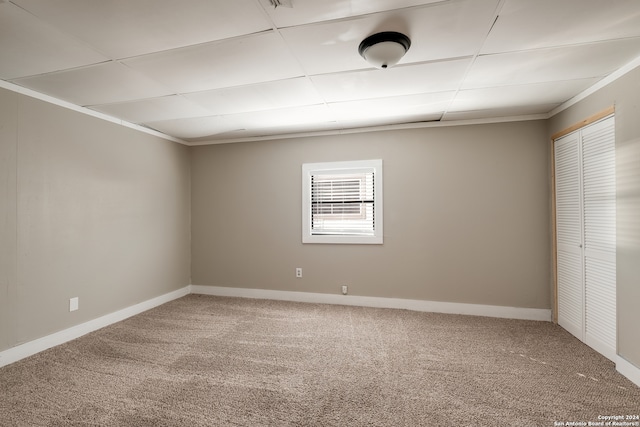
(209, 361)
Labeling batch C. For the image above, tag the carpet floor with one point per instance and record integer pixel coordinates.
(217, 361)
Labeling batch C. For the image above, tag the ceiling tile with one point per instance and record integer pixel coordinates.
(124, 28)
(308, 11)
(262, 96)
(396, 81)
(552, 64)
(29, 47)
(525, 110)
(518, 96)
(260, 122)
(246, 60)
(290, 129)
(194, 127)
(447, 30)
(390, 120)
(526, 24)
(153, 109)
(96, 84)
(284, 117)
(397, 108)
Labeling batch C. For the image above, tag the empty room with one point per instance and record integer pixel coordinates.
(319, 213)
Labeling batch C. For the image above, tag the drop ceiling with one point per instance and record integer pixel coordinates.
(211, 70)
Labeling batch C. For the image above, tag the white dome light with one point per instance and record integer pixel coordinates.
(383, 50)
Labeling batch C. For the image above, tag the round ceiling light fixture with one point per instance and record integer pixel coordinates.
(383, 50)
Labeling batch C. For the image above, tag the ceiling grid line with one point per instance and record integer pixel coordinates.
(276, 29)
(475, 56)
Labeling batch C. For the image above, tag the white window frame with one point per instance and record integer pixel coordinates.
(346, 168)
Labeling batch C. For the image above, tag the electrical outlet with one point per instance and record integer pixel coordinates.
(345, 289)
(74, 304)
(298, 272)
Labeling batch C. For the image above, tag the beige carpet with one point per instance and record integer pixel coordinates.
(211, 361)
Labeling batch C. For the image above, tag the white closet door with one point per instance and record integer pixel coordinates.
(569, 235)
(599, 201)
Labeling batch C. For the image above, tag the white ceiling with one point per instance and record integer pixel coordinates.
(229, 70)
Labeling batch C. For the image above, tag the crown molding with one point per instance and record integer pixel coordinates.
(86, 111)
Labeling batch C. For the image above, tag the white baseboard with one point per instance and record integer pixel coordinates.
(32, 347)
(407, 304)
(629, 370)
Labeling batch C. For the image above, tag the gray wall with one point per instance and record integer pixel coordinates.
(89, 209)
(466, 211)
(8, 201)
(624, 93)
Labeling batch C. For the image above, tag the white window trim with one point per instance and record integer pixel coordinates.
(342, 167)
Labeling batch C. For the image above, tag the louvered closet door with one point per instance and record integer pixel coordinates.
(586, 235)
(569, 235)
(599, 201)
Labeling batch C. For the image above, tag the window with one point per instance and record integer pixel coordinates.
(342, 202)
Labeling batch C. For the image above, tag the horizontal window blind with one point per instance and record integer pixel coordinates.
(343, 204)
